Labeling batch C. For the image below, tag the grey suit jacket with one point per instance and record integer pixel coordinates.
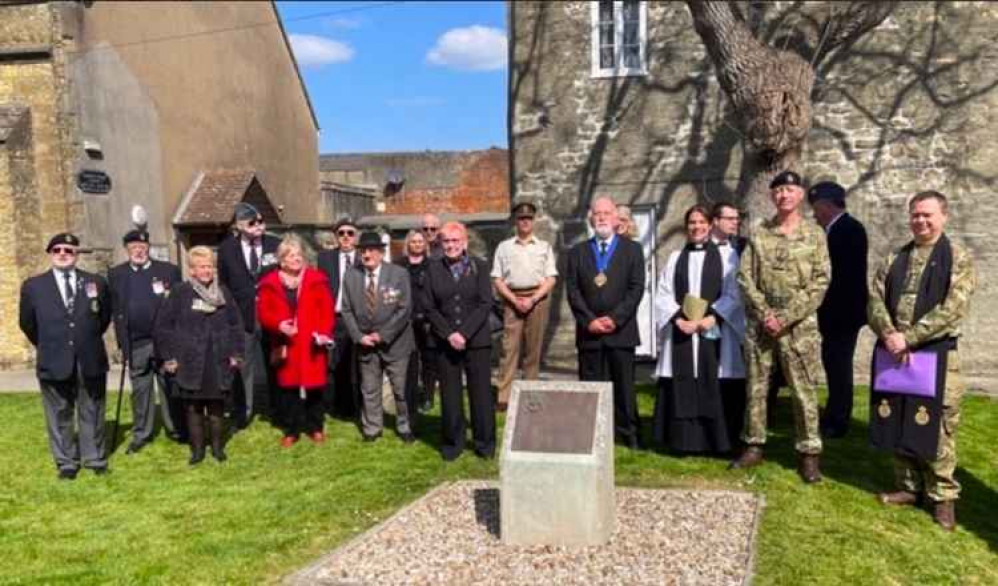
(392, 311)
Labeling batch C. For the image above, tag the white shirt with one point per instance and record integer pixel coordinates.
(247, 246)
(60, 281)
(346, 260)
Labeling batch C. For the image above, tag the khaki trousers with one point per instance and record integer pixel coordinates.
(522, 335)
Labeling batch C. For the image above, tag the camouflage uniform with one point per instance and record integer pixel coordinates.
(786, 275)
(914, 475)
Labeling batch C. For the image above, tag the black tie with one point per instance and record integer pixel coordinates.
(602, 248)
(67, 290)
(254, 260)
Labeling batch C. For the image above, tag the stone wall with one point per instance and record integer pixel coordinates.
(910, 107)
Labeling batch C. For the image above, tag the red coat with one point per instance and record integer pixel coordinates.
(304, 362)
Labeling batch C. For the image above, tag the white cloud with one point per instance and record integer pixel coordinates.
(316, 51)
(472, 48)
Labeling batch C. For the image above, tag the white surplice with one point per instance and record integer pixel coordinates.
(729, 306)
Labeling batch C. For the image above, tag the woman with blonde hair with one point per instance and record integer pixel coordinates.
(423, 361)
(627, 227)
(199, 338)
(295, 307)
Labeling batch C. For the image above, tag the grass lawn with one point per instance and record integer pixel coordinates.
(268, 512)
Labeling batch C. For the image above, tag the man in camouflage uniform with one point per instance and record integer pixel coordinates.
(783, 276)
(900, 333)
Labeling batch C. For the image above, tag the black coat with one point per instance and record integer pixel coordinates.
(166, 273)
(417, 280)
(844, 307)
(236, 276)
(329, 263)
(618, 298)
(182, 334)
(62, 338)
(458, 306)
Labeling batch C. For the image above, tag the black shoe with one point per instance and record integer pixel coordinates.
(372, 438)
(196, 457)
(485, 455)
(219, 454)
(67, 474)
(407, 437)
(102, 471)
(450, 455)
(134, 448)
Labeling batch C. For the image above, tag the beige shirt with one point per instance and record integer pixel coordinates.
(523, 265)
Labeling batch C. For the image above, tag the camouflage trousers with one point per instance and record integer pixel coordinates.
(936, 477)
(799, 363)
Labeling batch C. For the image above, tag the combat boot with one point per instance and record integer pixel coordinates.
(752, 456)
(900, 497)
(945, 515)
(808, 468)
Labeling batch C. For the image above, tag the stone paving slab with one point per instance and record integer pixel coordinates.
(450, 536)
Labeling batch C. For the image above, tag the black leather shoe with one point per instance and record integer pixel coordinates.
(219, 454)
(372, 438)
(196, 457)
(103, 471)
(67, 474)
(407, 438)
(134, 449)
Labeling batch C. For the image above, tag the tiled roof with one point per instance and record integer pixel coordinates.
(214, 194)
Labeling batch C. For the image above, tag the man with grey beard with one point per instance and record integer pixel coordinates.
(604, 282)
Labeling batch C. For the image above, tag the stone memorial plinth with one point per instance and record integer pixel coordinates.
(556, 467)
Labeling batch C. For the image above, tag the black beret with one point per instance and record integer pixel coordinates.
(826, 190)
(524, 210)
(345, 221)
(136, 236)
(245, 212)
(62, 238)
(787, 178)
(370, 240)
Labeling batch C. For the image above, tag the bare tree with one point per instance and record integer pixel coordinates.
(771, 87)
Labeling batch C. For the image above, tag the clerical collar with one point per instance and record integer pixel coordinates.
(695, 246)
(140, 267)
(720, 241)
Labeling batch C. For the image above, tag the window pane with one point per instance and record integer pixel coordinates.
(606, 11)
(631, 33)
(606, 58)
(632, 10)
(632, 56)
(606, 34)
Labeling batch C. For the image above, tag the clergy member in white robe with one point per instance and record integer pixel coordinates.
(696, 355)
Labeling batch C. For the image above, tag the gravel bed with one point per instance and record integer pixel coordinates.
(451, 536)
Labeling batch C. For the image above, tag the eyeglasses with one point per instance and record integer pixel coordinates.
(732, 218)
(63, 250)
(255, 222)
(430, 228)
(345, 233)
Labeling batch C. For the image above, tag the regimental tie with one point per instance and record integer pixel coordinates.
(371, 294)
(68, 293)
(254, 260)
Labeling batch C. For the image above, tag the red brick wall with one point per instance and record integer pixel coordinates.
(483, 187)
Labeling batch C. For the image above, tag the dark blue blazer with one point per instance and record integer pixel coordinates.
(63, 339)
(618, 297)
(165, 272)
(236, 276)
(844, 307)
(458, 306)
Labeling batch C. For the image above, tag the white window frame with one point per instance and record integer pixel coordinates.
(618, 70)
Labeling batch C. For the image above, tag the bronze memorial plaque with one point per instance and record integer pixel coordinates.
(555, 422)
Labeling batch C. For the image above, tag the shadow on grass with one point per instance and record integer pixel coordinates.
(976, 508)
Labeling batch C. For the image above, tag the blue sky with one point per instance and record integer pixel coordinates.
(388, 76)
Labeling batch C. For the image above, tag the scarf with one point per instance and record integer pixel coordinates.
(696, 395)
(933, 285)
(210, 295)
(459, 268)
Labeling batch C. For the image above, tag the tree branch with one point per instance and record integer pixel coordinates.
(847, 22)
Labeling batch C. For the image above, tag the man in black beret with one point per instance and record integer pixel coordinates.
(243, 258)
(64, 313)
(139, 286)
(843, 312)
(345, 398)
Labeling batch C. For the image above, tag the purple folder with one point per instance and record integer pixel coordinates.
(917, 377)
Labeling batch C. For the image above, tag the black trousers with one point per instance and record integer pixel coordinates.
(615, 365)
(837, 351)
(474, 364)
(342, 396)
(733, 402)
(423, 366)
(301, 415)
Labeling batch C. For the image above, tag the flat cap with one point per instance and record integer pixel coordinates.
(524, 209)
(787, 178)
(135, 236)
(245, 212)
(370, 240)
(826, 190)
(62, 238)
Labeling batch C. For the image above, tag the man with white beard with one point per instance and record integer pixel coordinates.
(604, 282)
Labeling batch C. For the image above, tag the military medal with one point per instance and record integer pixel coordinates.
(922, 417)
(884, 410)
(157, 287)
(600, 280)
(602, 260)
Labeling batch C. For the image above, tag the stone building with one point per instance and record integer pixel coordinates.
(469, 186)
(183, 108)
(638, 115)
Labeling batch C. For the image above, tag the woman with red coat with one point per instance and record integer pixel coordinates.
(295, 307)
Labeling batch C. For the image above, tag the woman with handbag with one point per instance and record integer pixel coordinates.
(295, 307)
(199, 338)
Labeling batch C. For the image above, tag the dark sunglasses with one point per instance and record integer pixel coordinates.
(63, 250)
(256, 222)
(430, 229)
(346, 233)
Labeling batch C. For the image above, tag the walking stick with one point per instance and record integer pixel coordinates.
(117, 412)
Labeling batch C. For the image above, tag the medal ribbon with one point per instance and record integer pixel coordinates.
(603, 260)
